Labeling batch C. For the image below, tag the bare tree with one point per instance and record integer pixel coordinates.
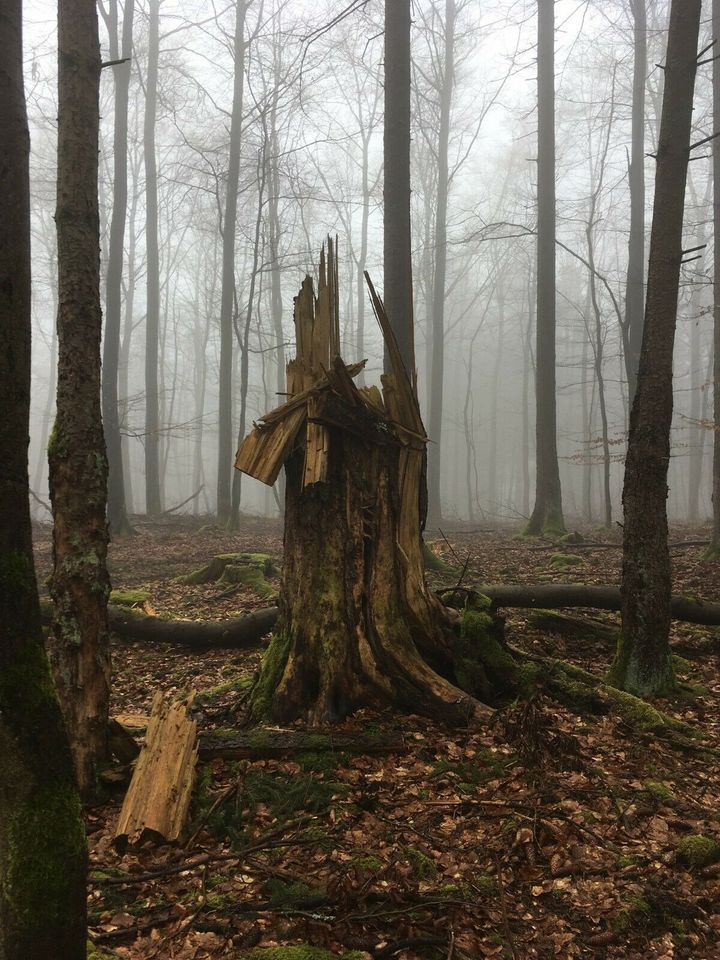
(117, 512)
(635, 286)
(715, 547)
(397, 252)
(547, 515)
(80, 643)
(643, 664)
(227, 295)
(42, 836)
(153, 498)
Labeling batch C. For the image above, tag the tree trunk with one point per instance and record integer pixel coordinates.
(153, 500)
(397, 252)
(227, 293)
(435, 400)
(356, 618)
(547, 515)
(79, 642)
(643, 664)
(42, 837)
(635, 285)
(117, 512)
(716, 289)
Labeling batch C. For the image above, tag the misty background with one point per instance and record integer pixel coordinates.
(311, 164)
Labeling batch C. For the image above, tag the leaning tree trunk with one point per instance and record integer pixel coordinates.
(358, 626)
(42, 838)
(643, 664)
(79, 641)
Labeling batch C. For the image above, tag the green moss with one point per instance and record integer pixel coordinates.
(435, 562)
(323, 762)
(643, 716)
(698, 850)
(57, 448)
(281, 893)
(484, 667)
(564, 561)
(128, 598)
(682, 666)
(637, 674)
(638, 914)
(46, 844)
(234, 684)
(657, 791)
(215, 569)
(423, 867)
(573, 537)
(97, 953)
(271, 670)
(248, 576)
(366, 864)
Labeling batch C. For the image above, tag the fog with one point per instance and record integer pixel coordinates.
(311, 165)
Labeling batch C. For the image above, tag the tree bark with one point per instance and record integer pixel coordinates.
(79, 642)
(358, 625)
(435, 399)
(117, 511)
(42, 838)
(643, 664)
(547, 515)
(153, 499)
(397, 251)
(227, 292)
(716, 288)
(635, 284)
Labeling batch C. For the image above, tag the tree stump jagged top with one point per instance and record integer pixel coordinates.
(358, 625)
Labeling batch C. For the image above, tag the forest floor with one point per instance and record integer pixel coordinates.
(543, 834)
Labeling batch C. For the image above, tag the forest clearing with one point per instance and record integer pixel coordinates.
(545, 833)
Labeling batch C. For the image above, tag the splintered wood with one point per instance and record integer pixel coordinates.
(158, 799)
(323, 396)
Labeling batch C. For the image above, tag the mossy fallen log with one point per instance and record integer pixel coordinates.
(265, 744)
(562, 595)
(246, 632)
(241, 633)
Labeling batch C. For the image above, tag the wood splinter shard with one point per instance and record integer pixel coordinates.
(158, 799)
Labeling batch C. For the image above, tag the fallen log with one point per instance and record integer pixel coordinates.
(266, 744)
(552, 596)
(241, 633)
(158, 799)
(245, 633)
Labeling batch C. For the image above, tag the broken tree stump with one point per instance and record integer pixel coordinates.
(157, 802)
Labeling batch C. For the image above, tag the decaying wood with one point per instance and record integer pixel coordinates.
(267, 743)
(359, 625)
(157, 802)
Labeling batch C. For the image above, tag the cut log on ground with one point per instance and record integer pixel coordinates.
(157, 802)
